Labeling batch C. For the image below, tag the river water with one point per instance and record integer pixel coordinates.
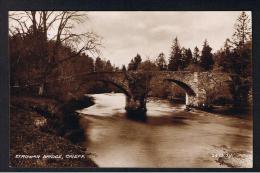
(171, 136)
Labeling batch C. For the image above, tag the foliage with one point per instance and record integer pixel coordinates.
(186, 58)
(34, 28)
(99, 65)
(236, 58)
(135, 62)
(242, 32)
(206, 59)
(224, 58)
(175, 56)
(196, 55)
(148, 65)
(108, 66)
(161, 62)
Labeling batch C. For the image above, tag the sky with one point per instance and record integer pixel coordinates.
(148, 33)
(124, 34)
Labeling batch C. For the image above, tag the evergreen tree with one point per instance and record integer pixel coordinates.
(196, 55)
(133, 65)
(225, 58)
(206, 59)
(241, 63)
(175, 56)
(242, 60)
(182, 60)
(137, 61)
(242, 32)
(188, 57)
(99, 65)
(108, 66)
(123, 68)
(237, 57)
(242, 42)
(161, 62)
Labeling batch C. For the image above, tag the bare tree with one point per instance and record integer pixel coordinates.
(57, 27)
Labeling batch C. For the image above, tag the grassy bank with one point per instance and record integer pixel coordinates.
(44, 135)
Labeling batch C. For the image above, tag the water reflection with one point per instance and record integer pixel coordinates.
(137, 115)
(169, 137)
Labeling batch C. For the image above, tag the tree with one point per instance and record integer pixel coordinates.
(182, 60)
(242, 32)
(186, 57)
(81, 64)
(237, 54)
(175, 56)
(196, 55)
(147, 65)
(161, 62)
(130, 66)
(99, 65)
(123, 68)
(133, 65)
(116, 69)
(236, 58)
(55, 27)
(194, 65)
(108, 66)
(242, 45)
(206, 59)
(225, 58)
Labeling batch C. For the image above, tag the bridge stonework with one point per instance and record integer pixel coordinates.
(200, 87)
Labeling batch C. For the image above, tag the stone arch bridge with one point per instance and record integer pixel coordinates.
(200, 87)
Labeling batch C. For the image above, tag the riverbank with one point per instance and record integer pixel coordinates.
(44, 133)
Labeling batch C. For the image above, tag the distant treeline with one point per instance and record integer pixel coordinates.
(235, 56)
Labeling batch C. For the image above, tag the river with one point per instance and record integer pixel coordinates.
(171, 136)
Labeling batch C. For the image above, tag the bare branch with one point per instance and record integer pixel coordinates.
(56, 18)
(19, 20)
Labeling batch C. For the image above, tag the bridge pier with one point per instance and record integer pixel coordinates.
(138, 84)
(135, 105)
(191, 101)
(136, 109)
(197, 98)
(198, 101)
(186, 99)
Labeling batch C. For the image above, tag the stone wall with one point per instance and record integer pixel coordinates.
(206, 85)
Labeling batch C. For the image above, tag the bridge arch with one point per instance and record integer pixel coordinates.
(116, 85)
(190, 93)
(184, 86)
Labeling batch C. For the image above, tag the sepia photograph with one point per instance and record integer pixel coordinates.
(130, 89)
